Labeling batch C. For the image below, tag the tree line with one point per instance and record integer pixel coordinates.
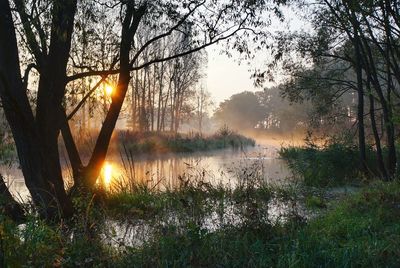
(45, 40)
(350, 47)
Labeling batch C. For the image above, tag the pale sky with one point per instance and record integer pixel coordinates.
(224, 75)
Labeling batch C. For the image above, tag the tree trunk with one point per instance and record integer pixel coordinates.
(386, 109)
(129, 26)
(379, 157)
(8, 205)
(360, 105)
(36, 139)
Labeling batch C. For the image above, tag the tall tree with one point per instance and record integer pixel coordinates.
(360, 37)
(46, 28)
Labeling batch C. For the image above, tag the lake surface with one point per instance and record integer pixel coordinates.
(171, 170)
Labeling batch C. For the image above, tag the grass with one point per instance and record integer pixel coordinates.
(333, 164)
(360, 231)
(198, 224)
(136, 142)
(363, 230)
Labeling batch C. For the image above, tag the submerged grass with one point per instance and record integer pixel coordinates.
(201, 225)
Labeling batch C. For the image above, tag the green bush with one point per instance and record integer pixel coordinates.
(361, 231)
(7, 152)
(165, 142)
(333, 164)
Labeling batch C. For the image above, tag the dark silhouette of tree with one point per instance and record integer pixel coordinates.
(353, 47)
(46, 31)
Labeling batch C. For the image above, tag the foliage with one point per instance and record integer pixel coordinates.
(335, 163)
(264, 110)
(7, 152)
(7, 146)
(360, 230)
(242, 110)
(137, 142)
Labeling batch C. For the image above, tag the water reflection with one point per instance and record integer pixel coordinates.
(168, 171)
(214, 167)
(107, 173)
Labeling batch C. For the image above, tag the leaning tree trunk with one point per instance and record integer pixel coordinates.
(129, 27)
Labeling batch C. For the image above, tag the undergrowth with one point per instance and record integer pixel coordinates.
(335, 163)
(198, 224)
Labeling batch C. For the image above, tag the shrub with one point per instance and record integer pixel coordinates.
(333, 164)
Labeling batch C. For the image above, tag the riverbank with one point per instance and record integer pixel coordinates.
(198, 224)
(159, 143)
(146, 143)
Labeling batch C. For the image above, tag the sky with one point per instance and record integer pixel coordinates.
(224, 75)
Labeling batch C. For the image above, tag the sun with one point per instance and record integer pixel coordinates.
(109, 90)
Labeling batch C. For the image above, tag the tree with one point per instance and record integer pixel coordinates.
(47, 29)
(203, 103)
(360, 37)
(242, 111)
(280, 114)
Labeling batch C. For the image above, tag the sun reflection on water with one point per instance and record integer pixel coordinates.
(107, 173)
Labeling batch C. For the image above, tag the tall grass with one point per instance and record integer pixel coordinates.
(198, 224)
(333, 164)
(362, 230)
(175, 142)
(183, 222)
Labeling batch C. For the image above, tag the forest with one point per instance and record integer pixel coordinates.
(116, 149)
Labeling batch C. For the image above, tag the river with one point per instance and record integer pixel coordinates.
(170, 170)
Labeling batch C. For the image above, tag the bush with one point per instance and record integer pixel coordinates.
(361, 231)
(7, 152)
(333, 164)
(166, 142)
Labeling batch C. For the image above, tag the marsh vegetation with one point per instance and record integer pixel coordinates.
(116, 150)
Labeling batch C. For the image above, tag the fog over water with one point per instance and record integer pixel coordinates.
(168, 170)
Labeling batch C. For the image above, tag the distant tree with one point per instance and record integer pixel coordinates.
(240, 111)
(203, 104)
(46, 30)
(280, 113)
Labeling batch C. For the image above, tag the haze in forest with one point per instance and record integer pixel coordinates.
(199, 133)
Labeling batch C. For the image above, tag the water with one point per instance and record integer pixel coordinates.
(168, 171)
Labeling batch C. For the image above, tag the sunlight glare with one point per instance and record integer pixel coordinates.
(107, 170)
(109, 90)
